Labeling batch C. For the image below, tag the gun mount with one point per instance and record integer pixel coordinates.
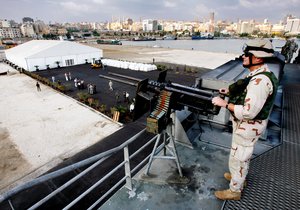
(160, 97)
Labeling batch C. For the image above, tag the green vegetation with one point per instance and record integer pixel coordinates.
(121, 109)
(83, 96)
(161, 67)
(45, 81)
(245, 35)
(102, 108)
(197, 33)
(95, 33)
(50, 36)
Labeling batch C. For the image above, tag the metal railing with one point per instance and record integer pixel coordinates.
(96, 160)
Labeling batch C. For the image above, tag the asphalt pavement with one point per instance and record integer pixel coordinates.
(103, 94)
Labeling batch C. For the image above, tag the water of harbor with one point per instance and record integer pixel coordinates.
(215, 45)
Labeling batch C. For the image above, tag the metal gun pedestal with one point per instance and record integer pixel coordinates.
(169, 148)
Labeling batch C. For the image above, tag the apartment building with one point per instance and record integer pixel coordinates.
(293, 26)
(27, 30)
(8, 32)
(150, 25)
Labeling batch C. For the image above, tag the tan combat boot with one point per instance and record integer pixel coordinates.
(227, 176)
(228, 195)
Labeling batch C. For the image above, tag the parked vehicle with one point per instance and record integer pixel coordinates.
(96, 64)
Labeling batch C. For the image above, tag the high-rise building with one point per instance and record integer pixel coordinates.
(40, 27)
(212, 17)
(293, 26)
(289, 16)
(150, 25)
(245, 27)
(27, 30)
(211, 24)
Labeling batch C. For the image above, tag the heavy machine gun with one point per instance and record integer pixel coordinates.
(161, 97)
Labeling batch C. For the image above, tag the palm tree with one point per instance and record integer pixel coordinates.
(57, 63)
(36, 68)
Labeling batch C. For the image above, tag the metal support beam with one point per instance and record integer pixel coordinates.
(168, 145)
(128, 184)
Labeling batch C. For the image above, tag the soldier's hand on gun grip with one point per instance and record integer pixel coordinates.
(224, 91)
(217, 101)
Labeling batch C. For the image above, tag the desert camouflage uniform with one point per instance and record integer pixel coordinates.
(246, 131)
(289, 49)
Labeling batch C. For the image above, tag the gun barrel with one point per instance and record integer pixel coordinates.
(203, 92)
(190, 94)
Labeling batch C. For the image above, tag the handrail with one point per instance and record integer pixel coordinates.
(105, 177)
(67, 169)
(123, 179)
(67, 184)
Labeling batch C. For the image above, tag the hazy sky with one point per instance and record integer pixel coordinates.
(104, 10)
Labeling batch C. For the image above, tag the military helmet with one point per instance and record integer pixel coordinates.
(260, 48)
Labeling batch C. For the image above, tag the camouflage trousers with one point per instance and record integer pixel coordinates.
(239, 159)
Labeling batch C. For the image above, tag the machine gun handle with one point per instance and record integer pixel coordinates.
(216, 109)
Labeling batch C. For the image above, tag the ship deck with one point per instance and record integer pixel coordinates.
(272, 182)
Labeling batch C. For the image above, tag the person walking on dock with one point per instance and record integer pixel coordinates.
(127, 97)
(38, 87)
(117, 95)
(250, 102)
(66, 76)
(131, 107)
(110, 84)
(124, 96)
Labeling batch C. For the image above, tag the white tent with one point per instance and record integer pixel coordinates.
(43, 53)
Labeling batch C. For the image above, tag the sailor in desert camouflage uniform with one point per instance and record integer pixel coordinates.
(250, 102)
(289, 49)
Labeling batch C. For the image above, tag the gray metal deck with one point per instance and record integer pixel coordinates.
(273, 180)
(202, 168)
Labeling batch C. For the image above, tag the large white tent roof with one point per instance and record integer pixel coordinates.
(50, 48)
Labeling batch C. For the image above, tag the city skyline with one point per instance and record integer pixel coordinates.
(101, 10)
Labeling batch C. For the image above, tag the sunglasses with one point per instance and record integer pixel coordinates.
(247, 54)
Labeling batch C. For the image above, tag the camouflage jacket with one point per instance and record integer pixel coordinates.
(254, 95)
